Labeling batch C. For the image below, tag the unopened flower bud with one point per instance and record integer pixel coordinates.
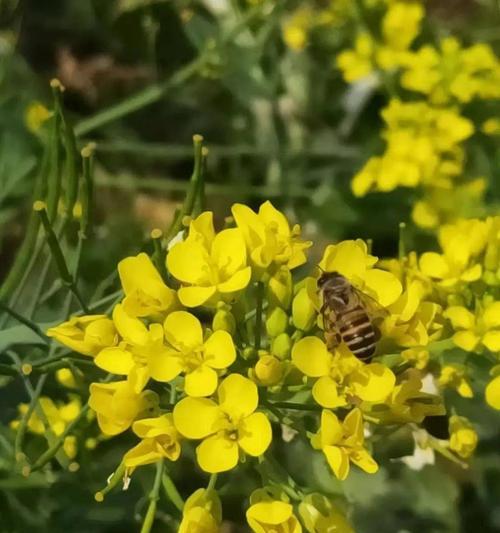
(281, 346)
(224, 320)
(276, 322)
(269, 370)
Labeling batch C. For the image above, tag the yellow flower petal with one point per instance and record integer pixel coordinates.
(115, 360)
(238, 396)
(338, 460)
(195, 296)
(347, 258)
(236, 282)
(255, 434)
(434, 265)
(202, 229)
(372, 383)
(491, 315)
(460, 317)
(272, 513)
(188, 262)
(384, 284)
(183, 330)
(364, 460)
(229, 252)
(217, 454)
(492, 393)
(144, 453)
(326, 394)
(467, 340)
(131, 329)
(271, 216)
(219, 350)
(196, 418)
(491, 340)
(201, 382)
(164, 366)
(331, 429)
(311, 357)
(353, 426)
(250, 224)
(153, 427)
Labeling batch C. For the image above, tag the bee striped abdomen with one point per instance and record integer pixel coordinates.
(357, 332)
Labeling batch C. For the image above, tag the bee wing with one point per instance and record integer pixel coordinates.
(371, 305)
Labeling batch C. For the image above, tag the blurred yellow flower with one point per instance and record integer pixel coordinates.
(454, 376)
(210, 267)
(463, 437)
(320, 515)
(272, 516)
(225, 427)
(145, 292)
(87, 335)
(492, 391)
(342, 443)
(159, 440)
(269, 239)
(201, 513)
(473, 330)
(35, 116)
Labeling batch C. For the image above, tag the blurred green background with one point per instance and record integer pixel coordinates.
(280, 125)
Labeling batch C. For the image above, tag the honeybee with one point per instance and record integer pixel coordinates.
(346, 315)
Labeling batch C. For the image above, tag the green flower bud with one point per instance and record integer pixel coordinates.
(279, 289)
(276, 322)
(281, 346)
(224, 320)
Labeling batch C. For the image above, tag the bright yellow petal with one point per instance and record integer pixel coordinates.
(460, 317)
(372, 383)
(353, 426)
(195, 296)
(153, 427)
(491, 315)
(195, 418)
(250, 224)
(183, 330)
(434, 265)
(467, 340)
(188, 262)
(217, 454)
(115, 360)
(492, 393)
(238, 396)
(331, 429)
(144, 453)
(201, 382)
(338, 461)
(255, 434)
(326, 394)
(131, 329)
(492, 341)
(384, 284)
(219, 350)
(348, 258)
(272, 217)
(164, 367)
(273, 513)
(202, 229)
(311, 357)
(364, 460)
(229, 253)
(236, 282)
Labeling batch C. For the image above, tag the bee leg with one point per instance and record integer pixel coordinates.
(332, 340)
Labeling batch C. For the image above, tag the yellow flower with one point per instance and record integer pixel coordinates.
(159, 440)
(225, 427)
(201, 513)
(491, 126)
(357, 63)
(342, 443)
(454, 376)
(35, 116)
(463, 437)
(407, 403)
(475, 330)
(461, 243)
(453, 72)
(66, 378)
(321, 516)
(304, 313)
(269, 239)
(340, 373)
(352, 260)
(85, 334)
(272, 516)
(268, 371)
(297, 27)
(401, 24)
(209, 266)
(145, 292)
(117, 405)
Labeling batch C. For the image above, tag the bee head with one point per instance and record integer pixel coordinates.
(332, 281)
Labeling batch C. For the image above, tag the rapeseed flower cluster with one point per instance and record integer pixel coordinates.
(229, 344)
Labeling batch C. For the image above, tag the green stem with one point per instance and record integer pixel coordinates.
(211, 482)
(294, 406)
(54, 178)
(139, 100)
(115, 478)
(258, 315)
(153, 499)
(402, 242)
(87, 189)
(194, 185)
(159, 253)
(21, 430)
(26, 321)
(171, 492)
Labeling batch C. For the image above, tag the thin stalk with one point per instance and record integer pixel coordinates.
(294, 406)
(54, 177)
(212, 481)
(159, 254)
(87, 189)
(115, 478)
(258, 315)
(153, 499)
(402, 242)
(171, 491)
(26, 321)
